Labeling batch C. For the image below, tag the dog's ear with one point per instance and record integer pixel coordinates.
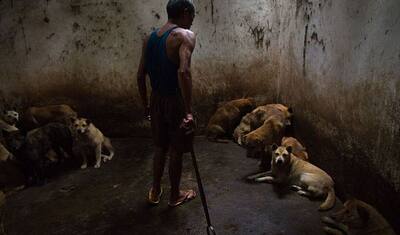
(71, 120)
(289, 149)
(88, 121)
(274, 147)
(290, 110)
(363, 213)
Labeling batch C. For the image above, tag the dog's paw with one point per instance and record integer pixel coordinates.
(84, 166)
(295, 188)
(97, 165)
(303, 193)
(267, 179)
(106, 158)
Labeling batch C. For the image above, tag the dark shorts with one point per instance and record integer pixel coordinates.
(167, 113)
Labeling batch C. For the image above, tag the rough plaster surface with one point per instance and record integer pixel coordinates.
(335, 62)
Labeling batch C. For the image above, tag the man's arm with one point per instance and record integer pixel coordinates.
(184, 73)
(141, 78)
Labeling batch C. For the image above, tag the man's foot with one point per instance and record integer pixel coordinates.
(185, 196)
(154, 196)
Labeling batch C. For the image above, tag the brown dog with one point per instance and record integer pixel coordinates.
(270, 132)
(357, 218)
(227, 117)
(39, 116)
(297, 149)
(257, 117)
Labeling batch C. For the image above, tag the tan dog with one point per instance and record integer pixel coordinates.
(269, 133)
(307, 179)
(357, 218)
(227, 117)
(257, 117)
(39, 116)
(88, 139)
(297, 149)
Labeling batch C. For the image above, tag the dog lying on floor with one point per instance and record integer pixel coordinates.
(297, 150)
(269, 133)
(307, 179)
(257, 117)
(87, 139)
(227, 117)
(40, 148)
(357, 218)
(38, 116)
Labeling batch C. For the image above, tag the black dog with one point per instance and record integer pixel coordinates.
(33, 150)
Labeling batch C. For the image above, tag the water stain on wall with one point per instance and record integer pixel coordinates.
(314, 37)
(258, 34)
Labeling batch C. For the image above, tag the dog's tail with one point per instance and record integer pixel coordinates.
(329, 201)
(110, 148)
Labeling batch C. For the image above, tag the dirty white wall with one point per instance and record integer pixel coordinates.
(336, 62)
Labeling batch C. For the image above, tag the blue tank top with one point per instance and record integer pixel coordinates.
(162, 71)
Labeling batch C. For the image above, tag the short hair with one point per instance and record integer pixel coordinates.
(175, 8)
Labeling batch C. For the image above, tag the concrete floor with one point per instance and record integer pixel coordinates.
(111, 200)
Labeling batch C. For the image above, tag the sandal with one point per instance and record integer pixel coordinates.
(151, 197)
(188, 196)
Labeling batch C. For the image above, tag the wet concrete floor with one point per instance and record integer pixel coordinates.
(112, 199)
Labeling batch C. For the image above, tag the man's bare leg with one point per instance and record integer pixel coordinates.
(158, 168)
(175, 172)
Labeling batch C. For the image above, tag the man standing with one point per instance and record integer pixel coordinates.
(166, 58)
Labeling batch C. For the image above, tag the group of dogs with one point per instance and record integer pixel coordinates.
(264, 131)
(51, 134)
(45, 136)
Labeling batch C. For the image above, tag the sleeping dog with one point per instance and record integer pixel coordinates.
(258, 116)
(39, 148)
(357, 218)
(38, 116)
(227, 117)
(269, 133)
